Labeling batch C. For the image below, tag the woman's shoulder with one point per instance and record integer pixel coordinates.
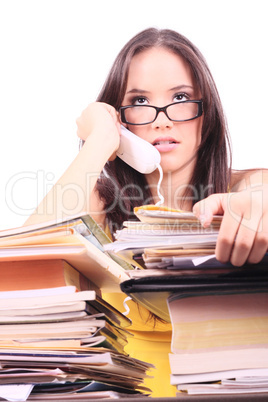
(241, 179)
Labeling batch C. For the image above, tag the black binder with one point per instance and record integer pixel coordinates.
(152, 291)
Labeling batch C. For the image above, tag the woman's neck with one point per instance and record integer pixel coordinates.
(174, 187)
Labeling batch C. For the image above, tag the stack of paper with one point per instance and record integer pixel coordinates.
(218, 312)
(220, 341)
(177, 253)
(161, 234)
(57, 341)
(79, 241)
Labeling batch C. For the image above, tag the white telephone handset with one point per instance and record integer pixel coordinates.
(138, 153)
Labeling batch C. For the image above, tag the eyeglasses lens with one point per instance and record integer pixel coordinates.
(182, 111)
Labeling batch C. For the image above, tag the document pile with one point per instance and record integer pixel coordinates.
(220, 340)
(165, 238)
(218, 312)
(172, 246)
(59, 339)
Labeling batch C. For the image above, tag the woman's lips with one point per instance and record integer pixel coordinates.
(165, 144)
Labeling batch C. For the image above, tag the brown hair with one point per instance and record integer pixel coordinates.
(211, 173)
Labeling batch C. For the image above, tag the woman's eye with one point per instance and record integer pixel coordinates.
(139, 101)
(180, 97)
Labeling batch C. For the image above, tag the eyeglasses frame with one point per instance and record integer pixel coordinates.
(160, 109)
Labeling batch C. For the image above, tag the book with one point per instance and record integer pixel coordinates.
(40, 274)
(216, 336)
(219, 331)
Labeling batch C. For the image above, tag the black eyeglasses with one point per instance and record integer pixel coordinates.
(146, 114)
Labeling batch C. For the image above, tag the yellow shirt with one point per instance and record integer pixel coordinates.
(150, 343)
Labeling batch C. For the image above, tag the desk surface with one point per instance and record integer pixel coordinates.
(261, 397)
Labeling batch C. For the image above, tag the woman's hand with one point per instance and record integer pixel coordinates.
(100, 121)
(243, 235)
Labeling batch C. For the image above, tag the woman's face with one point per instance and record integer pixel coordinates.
(159, 77)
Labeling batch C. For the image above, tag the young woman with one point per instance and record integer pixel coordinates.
(162, 90)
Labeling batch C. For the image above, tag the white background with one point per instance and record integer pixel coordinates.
(55, 55)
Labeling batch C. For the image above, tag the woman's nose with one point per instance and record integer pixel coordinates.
(162, 121)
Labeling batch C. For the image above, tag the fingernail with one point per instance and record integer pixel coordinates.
(203, 220)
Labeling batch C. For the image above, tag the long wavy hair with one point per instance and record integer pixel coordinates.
(120, 187)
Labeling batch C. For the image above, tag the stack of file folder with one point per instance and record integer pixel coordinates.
(219, 313)
(63, 342)
(170, 245)
(77, 240)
